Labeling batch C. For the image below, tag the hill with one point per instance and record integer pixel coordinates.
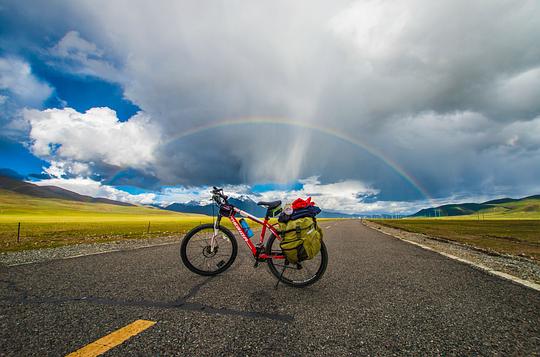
(17, 206)
(49, 222)
(526, 207)
(13, 184)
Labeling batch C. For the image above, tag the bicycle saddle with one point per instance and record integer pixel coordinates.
(269, 205)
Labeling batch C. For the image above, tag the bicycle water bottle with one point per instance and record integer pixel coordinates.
(246, 228)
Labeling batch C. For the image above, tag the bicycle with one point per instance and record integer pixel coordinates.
(210, 249)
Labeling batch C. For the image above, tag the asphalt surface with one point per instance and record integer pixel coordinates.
(379, 296)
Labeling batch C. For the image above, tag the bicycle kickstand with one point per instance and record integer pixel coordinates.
(281, 275)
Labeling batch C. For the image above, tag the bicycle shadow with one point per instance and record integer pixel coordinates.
(22, 296)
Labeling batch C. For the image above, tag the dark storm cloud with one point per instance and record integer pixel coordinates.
(448, 90)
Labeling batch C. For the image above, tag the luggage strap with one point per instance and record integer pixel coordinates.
(297, 229)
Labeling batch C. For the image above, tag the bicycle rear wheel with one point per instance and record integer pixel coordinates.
(298, 275)
(196, 253)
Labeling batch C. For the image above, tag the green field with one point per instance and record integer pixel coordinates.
(517, 236)
(55, 222)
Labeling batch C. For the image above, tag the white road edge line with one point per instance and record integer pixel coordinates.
(94, 253)
(498, 273)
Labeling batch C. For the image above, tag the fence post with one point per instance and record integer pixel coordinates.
(19, 232)
(148, 229)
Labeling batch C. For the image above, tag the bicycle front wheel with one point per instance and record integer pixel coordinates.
(197, 255)
(297, 275)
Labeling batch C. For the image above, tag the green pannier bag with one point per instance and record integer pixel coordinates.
(301, 239)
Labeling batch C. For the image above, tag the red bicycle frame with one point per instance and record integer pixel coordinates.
(265, 225)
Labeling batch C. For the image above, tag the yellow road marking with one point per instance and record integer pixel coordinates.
(113, 339)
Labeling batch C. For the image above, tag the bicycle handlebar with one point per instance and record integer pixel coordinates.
(218, 196)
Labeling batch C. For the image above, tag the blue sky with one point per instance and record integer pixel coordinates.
(368, 106)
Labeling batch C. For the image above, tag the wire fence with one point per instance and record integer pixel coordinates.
(23, 235)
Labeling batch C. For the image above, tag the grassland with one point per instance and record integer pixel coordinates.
(55, 222)
(517, 236)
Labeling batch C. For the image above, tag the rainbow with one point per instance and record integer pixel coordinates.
(310, 126)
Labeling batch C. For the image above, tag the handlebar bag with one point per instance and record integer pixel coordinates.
(225, 210)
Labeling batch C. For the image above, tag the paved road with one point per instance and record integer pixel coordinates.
(380, 296)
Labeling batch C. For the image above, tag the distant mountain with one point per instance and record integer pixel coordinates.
(244, 203)
(504, 206)
(190, 207)
(332, 214)
(11, 182)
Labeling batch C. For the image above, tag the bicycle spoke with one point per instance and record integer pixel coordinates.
(201, 245)
(222, 255)
(199, 258)
(308, 271)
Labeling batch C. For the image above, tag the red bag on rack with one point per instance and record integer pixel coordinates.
(300, 203)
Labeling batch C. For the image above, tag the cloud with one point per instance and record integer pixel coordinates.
(347, 196)
(61, 169)
(96, 137)
(519, 93)
(19, 88)
(468, 152)
(79, 56)
(446, 90)
(441, 56)
(89, 187)
(17, 79)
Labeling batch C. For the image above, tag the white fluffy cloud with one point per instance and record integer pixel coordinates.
(59, 169)
(89, 187)
(345, 196)
(17, 78)
(92, 138)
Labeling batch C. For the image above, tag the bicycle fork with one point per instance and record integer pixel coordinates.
(214, 236)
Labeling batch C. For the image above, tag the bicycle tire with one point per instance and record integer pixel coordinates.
(221, 268)
(278, 274)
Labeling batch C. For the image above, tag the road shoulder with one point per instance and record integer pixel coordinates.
(78, 250)
(516, 269)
